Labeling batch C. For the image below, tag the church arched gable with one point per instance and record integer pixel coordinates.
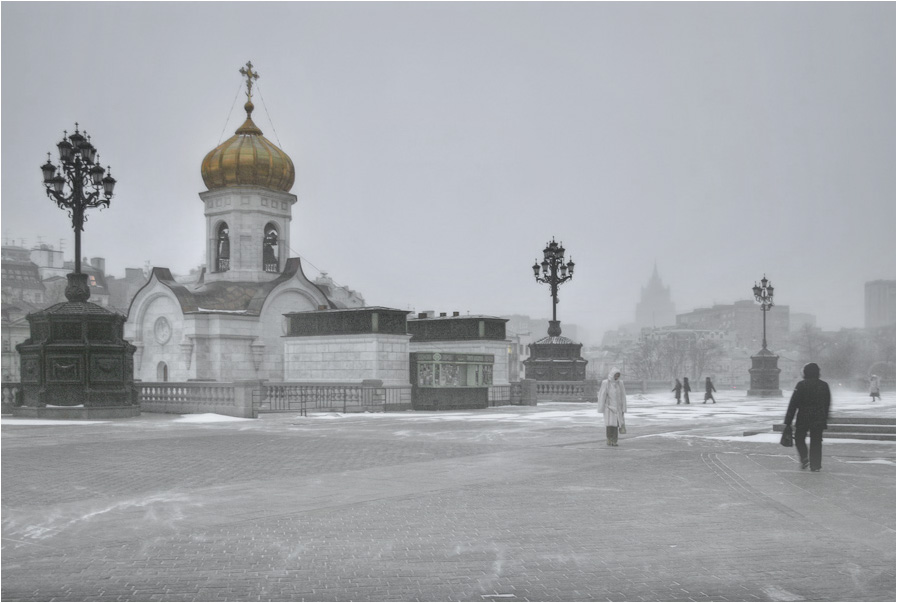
(145, 304)
(273, 325)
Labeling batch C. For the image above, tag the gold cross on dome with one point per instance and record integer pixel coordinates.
(250, 75)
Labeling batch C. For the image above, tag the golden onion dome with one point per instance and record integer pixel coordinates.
(248, 159)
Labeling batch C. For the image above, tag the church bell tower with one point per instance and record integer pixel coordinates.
(248, 204)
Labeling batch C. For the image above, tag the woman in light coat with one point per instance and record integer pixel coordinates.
(612, 402)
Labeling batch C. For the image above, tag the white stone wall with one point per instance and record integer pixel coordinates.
(347, 358)
(497, 348)
(221, 346)
(153, 347)
(273, 328)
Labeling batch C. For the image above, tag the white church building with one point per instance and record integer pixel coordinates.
(229, 323)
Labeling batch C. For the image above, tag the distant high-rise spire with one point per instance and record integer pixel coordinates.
(655, 309)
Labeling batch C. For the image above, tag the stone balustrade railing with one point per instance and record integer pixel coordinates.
(567, 391)
(249, 398)
(231, 399)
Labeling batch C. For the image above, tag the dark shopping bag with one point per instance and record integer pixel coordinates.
(787, 437)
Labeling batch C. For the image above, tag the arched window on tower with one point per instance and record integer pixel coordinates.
(222, 248)
(270, 249)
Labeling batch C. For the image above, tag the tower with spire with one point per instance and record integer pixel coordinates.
(655, 309)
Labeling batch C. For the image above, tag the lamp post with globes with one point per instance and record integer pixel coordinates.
(76, 364)
(763, 295)
(764, 365)
(555, 272)
(555, 358)
(76, 186)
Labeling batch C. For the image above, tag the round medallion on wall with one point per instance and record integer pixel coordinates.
(437, 356)
(162, 330)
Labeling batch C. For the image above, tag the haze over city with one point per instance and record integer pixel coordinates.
(438, 147)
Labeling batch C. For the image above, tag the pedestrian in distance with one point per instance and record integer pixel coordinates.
(686, 388)
(612, 402)
(875, 387)
(708, 391)
(677, 391)
(811, 402)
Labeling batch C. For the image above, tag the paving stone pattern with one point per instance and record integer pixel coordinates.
(375, 510)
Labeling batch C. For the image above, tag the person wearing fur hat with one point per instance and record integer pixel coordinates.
(811, 402)
(612, 402)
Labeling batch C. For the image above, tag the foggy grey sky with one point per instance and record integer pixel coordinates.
(438, 147)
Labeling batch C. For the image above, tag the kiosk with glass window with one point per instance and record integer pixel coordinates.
(442, 381)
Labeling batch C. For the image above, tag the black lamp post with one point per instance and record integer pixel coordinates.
(764, 369)
(76, 364)
(555, 358)
(763, 295)
(555, 272)
(76, 186)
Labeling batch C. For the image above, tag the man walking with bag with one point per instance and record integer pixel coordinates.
(612, 402)
(811, 401)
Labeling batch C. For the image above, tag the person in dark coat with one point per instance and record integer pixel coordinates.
(810, 401)
(677, 391)
(708, 391)
(875, 387)
(686, 388)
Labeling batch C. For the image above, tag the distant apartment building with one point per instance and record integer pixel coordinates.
(538, 327)
(21, 278)
(743, 320)
(880, 304)
(799, 320)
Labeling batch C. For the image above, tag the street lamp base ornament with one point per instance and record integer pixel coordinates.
(77, 289)
(554, 328)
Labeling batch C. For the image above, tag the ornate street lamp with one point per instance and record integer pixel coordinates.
(555, 272)
(80, 184)
(763, 296)
(764, 369)
(555, 358)
(76, 364)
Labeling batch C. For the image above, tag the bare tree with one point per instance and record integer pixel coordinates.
(642, 359)
(703, 353)
(672, 353)
(811, 342)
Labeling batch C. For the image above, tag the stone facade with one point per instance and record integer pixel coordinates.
(347, 346)
(220, 331)
(347, 358)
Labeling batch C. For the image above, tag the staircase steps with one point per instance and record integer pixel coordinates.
(856, 428)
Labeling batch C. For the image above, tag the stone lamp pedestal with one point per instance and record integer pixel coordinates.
(76, 364)
(765, 375)
(555, 358)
